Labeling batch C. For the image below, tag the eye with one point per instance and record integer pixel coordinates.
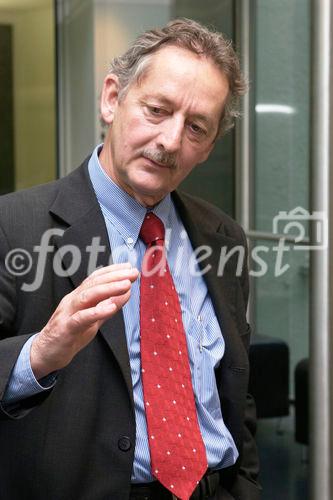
(155, 110)
(196, 129)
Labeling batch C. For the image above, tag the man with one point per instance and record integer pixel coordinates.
(82, 414)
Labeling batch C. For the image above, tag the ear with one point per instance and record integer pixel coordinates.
(109, 97)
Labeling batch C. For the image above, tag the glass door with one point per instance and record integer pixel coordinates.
(274, 177)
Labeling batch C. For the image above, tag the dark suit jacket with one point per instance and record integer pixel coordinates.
(76, 442)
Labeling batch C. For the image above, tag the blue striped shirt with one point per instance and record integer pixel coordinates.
(123, 217)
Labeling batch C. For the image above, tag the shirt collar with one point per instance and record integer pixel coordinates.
(123, 211)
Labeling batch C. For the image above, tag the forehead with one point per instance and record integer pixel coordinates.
(185, 79)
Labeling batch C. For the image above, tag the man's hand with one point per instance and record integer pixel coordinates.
(78, 317)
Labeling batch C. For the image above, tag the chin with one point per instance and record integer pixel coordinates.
(146, 188)
(148, 197)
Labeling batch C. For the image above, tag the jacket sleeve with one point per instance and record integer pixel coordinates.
(10, 343)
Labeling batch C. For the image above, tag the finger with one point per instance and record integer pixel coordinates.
(111, 276)
(110, 268)
(85, 318)
(79, 298)
(119, 301)
(92, 296)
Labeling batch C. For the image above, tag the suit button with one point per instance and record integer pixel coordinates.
(124, 443)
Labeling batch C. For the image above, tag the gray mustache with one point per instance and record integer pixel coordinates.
(163, 157)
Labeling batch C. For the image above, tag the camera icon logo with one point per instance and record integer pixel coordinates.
(309, 230)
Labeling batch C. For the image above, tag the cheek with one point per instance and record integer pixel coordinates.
(128, 130)
(138, 129)
(192, 156)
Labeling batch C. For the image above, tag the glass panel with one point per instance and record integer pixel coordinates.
(281, 298)
(282, 89)
(282, 159)
(30, 156)
(281, 312)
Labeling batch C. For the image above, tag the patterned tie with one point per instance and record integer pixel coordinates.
(178, 455)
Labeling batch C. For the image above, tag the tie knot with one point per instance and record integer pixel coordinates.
(152, 229)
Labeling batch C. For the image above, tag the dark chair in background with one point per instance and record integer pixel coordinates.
(302, 402)
(269, 376)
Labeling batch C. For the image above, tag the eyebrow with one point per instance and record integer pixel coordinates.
(164, 100)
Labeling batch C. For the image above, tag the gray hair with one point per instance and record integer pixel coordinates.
(185, 33)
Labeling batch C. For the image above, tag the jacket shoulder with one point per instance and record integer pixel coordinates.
(41, 194)
(209, 214)
(27, 206)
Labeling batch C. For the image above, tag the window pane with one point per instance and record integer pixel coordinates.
(282, 88)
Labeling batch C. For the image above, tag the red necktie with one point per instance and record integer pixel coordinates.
(178, 455)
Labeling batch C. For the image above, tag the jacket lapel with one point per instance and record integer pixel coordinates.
(206, 231)
(78, 209)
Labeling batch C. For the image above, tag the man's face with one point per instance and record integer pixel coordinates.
(164, 126)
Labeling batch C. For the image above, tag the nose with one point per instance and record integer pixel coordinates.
(171, 134)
